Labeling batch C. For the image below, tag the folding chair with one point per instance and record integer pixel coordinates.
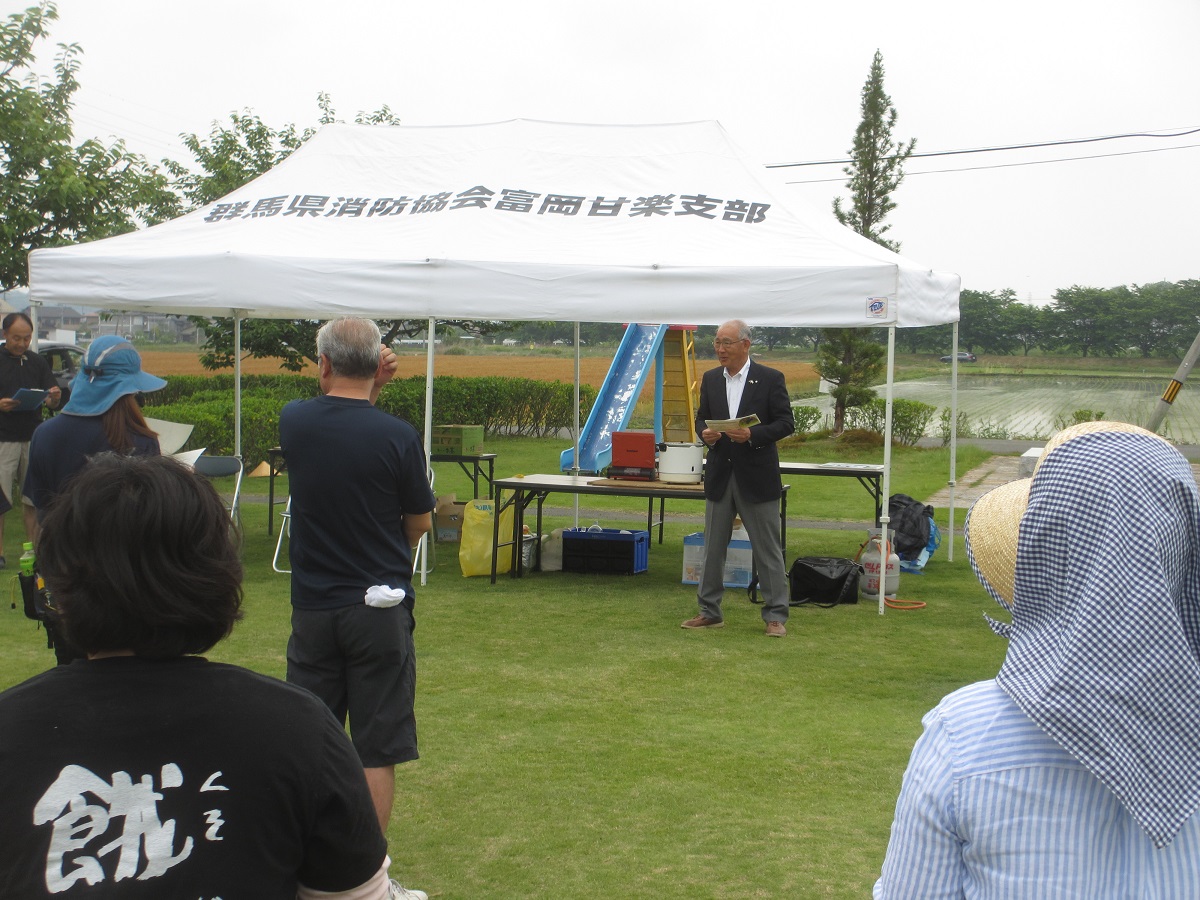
(285, 528)
(422, 555)
(422, 559)
(223, 467)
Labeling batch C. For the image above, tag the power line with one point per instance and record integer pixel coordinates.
(1035, 162)
(1060, 143)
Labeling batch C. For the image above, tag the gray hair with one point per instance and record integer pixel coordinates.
(743, 330)
(352, 346)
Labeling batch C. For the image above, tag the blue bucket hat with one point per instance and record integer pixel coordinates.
(111, 369)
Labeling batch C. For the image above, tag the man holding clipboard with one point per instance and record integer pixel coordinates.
(21, 372)
(744, 410)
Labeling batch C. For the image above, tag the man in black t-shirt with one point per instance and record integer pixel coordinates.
(20, 368)
(360, 501)
(145, 771)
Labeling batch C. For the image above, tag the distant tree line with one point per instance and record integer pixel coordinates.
(1149, 320)
(1158, 320)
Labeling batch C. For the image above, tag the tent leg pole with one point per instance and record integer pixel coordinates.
(575, 457)
(884, 518)
(237, 379)
(427, 539)
(953, 438)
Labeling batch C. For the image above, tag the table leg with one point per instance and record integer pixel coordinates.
(495, 536)
(517, 501)
(874, 486)
(518, 539)
(537, 550)
(783, 523)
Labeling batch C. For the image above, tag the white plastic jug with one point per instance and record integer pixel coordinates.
(873, 559)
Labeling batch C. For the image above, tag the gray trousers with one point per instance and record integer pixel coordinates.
(762, 525)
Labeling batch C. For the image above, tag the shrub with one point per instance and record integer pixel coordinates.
(1078, 417)
(910, 418)
(860, 438)
(991, 430)
(806, 417)
(963, 428)
(212, 425)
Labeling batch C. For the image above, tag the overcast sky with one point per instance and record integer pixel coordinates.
(784, 78)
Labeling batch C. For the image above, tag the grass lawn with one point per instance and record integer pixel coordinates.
(576, 743)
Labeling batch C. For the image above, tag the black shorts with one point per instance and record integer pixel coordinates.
(360, 661)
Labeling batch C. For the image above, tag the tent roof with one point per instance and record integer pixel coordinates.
(511, 220)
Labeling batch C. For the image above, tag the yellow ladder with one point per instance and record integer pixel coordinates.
(681, 387)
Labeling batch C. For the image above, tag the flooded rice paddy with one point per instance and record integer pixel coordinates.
(1028, 407)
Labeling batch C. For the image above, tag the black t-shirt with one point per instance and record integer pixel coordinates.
(180, 778)
(354, 472)
(62, 446)
(25, 371)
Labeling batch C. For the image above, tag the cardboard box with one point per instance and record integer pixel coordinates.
(607, 550)
(739, 561)
(448, 518)
(456, 440)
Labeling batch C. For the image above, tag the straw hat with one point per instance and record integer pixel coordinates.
(994, 521)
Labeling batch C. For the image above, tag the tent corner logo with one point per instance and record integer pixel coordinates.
(877, 307)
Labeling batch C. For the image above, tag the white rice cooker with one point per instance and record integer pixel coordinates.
(681, 463)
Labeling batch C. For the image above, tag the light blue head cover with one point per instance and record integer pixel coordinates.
(1104, 651)
(111, 369)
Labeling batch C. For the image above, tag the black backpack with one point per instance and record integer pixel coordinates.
(910, 520)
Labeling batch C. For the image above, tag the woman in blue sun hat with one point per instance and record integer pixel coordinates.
(102, 416)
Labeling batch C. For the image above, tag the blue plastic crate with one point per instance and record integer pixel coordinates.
(608, 550)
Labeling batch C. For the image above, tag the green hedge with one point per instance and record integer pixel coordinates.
(519, 406)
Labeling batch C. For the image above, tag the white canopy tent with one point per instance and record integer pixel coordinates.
(511, 220)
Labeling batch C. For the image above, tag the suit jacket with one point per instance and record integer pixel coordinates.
(757, 462)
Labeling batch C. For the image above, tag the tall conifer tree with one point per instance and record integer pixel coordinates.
(851, 359)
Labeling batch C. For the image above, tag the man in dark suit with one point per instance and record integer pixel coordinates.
(741, 476)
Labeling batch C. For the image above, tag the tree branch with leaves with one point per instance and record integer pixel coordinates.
(52, 191)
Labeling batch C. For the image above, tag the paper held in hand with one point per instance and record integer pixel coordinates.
(730, 424)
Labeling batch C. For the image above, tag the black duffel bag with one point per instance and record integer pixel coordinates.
(823, 581)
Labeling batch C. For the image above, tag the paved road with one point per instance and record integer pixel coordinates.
(1001, 469)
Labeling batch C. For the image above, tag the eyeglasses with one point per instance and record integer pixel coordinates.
(726, 343)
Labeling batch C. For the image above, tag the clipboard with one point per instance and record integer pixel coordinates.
(29, 399)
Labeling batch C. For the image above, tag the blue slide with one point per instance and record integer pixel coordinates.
(617, 398)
